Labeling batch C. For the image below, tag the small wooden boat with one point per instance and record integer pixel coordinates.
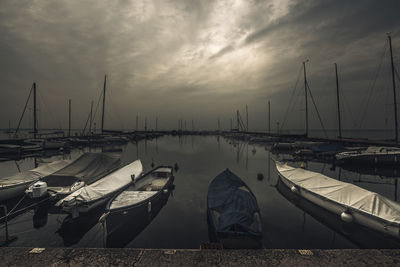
(348, 201)
(145, 198)
(232, 211)
(14, 185)
(97, 193)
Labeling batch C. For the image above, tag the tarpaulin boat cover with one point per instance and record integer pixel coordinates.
(347, 194)
(103, 187)
(34, 174)
(232, 201)
(89, 167)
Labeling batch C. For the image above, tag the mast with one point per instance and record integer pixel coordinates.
(34, 111)
(247, 119)
(156, 124)
(104, 102)
(394, 90)
(269, 117)
(237, 117)
(305, 91)
(137, 122)
(219, 126)
(338, 102)
(69, 117)
(91, 117)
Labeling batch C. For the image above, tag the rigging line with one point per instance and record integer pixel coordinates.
(97, 106)
(87, 121)
(372, 86)
(291, 99)
(26, 104)
(316, 109)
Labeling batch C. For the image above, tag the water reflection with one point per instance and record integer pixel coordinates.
(123, 226)
(73, 230)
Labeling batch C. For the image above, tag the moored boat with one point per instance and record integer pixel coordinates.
(97, 193)
(84, 170)
(233, 214)
(146, 194)
(371, 155)
(14, 185)
(348, 201)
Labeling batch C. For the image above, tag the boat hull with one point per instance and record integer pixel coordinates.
(358, 217)
(8, 192)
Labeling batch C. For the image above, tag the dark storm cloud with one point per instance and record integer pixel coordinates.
(194, 59)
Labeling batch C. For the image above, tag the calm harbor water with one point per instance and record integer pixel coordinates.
(182, 222)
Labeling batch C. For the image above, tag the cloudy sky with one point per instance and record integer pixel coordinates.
(199, 60)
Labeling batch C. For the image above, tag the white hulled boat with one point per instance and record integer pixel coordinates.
(350, 202)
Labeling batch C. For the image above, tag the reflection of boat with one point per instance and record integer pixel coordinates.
(232, 211)
(357, 234)
(14, 185)
(372, 169)
(128, 213)
(72, 230)
(97, 193)
(350, 202)
(85, 170)
(372, 155)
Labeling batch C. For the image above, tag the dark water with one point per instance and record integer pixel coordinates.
(181, 222)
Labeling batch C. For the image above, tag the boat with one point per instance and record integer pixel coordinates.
(15, 185)
(233, 214)
(131, 210)
(10, 150)
(97, 193)
(351, 203)
(85, 170)
(371, 155)
(359, 236)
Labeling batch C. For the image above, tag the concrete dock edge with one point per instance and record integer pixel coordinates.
(192, 257)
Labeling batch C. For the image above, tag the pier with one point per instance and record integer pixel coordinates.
(195, 257)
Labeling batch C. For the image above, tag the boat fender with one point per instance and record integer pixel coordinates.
(346, 217)
(149, 206)
(133, 178)
(165, 191)
(294, 189)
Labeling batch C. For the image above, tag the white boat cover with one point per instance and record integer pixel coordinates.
(131, 197)
(34, 174)
(347, 194)
(89, 167)
(103, 187)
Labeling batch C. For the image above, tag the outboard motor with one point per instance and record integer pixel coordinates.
(39, 189)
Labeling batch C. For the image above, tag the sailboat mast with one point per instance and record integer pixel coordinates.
(338, 101)
(269, 117)
(247, 119)
(394, 89)
(305, 93)
(69, 118)
(91, 117)
(34, 111)
(104, 102)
